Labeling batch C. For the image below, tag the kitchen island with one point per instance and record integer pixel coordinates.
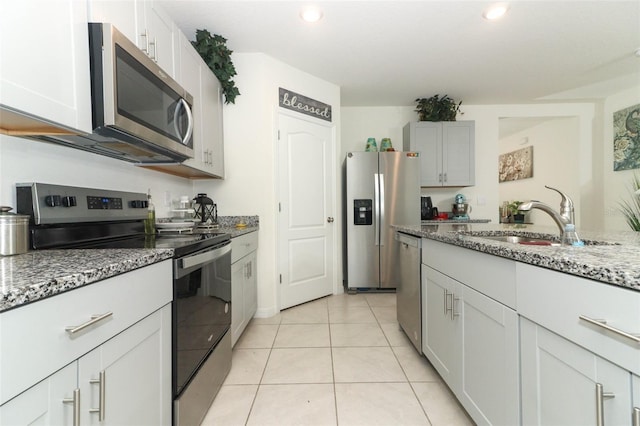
(533, 334)
(613, 257)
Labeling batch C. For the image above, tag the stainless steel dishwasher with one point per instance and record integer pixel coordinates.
(408, 294)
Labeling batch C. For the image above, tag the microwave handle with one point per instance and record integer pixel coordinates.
(183, 103)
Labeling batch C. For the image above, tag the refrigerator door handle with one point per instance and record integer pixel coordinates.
(376, 208)
(381, 227)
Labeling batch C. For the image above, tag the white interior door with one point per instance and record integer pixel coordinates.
(306, 210)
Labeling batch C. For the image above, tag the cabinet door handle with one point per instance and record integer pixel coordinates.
(603, 324)
(448, 307)
(445, 177)
(601, 395)
(73, 329)
(439, 177)
(444, 303)
(75, 400)
(453, 307)
(154, 57)
(101, 396)
(636, 416)
(145, 34)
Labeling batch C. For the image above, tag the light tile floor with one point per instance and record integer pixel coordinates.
(341, 360)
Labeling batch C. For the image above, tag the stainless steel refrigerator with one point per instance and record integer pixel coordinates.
(381, 189)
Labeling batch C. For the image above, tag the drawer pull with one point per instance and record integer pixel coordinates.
(75, 400)
(603, 323)
(94, 319)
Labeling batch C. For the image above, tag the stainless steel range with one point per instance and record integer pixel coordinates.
(74, 217)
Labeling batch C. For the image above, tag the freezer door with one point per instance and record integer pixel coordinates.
(363, 259)
(399, 205)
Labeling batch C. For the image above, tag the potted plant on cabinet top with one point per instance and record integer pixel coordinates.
(436, 108)
(215, 53)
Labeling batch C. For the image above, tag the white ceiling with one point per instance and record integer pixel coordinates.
(392, 52)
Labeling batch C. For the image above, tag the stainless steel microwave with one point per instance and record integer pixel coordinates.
(139, 113)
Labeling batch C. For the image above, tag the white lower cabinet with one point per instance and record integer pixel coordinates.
(470, 338)
(565, 384)
(244, 284)
(126, 380)
(113, 369)
(442, 327)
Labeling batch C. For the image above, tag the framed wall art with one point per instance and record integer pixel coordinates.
(626, 138)
(515, 165)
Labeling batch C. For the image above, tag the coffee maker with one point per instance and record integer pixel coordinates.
(426, 208)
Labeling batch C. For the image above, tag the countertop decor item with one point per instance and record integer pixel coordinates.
(385, 145)
(372, 146)
(436, 108)
(213, 49)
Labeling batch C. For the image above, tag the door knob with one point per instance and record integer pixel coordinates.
(330, 219)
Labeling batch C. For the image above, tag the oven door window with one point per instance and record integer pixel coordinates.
(202, 315)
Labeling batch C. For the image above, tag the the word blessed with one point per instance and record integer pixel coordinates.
(304, 105)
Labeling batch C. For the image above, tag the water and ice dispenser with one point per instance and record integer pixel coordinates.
(363, 212)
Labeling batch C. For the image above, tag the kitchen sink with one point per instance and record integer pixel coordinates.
(517, 239)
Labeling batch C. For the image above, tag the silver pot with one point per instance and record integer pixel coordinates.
(14, 232)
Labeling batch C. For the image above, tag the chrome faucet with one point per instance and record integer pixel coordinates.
(566, 215)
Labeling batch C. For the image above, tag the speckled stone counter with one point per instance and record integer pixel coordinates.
(458, 221)
(39, 274)
(617, 262)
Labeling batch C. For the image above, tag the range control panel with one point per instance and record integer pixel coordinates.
(53, 204)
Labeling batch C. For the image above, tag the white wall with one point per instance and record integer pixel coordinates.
(250, 185)
(554, 143)
(616, 184)
(24, 160)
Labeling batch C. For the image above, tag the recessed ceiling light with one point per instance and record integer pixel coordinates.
(311, 14)
(495, 11)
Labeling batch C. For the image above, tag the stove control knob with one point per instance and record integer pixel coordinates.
(53, 200)
(69, 201)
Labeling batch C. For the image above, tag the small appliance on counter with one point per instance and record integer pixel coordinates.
(427, 211)
(461, 208)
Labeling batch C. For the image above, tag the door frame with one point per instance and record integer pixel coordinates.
(337, 216)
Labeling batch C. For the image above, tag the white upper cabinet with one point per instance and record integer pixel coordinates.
(446, 148)
(44, 66)
(196, 77)
(143, 22)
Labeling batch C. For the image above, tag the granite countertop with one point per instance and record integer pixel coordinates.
(38, 274)
(437, 221)
(617, 262)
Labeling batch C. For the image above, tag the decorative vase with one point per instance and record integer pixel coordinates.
(371, 145)
(385, 145)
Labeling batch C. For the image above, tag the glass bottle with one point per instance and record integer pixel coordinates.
(150, 221)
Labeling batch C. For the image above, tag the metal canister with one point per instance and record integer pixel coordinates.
(14, 232)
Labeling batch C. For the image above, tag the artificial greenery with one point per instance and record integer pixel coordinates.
(213, 49)
(631, 210)
(513, 207)
(436, 108)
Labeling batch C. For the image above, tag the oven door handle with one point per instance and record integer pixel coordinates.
(205, 257)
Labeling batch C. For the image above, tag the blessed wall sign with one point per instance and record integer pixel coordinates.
(302, 104)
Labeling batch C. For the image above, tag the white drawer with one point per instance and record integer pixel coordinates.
(34, 343)
(490, 275)
(243, 245)
(556, 301)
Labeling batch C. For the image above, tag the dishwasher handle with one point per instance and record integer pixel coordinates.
(409, 240)
(204, 257)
